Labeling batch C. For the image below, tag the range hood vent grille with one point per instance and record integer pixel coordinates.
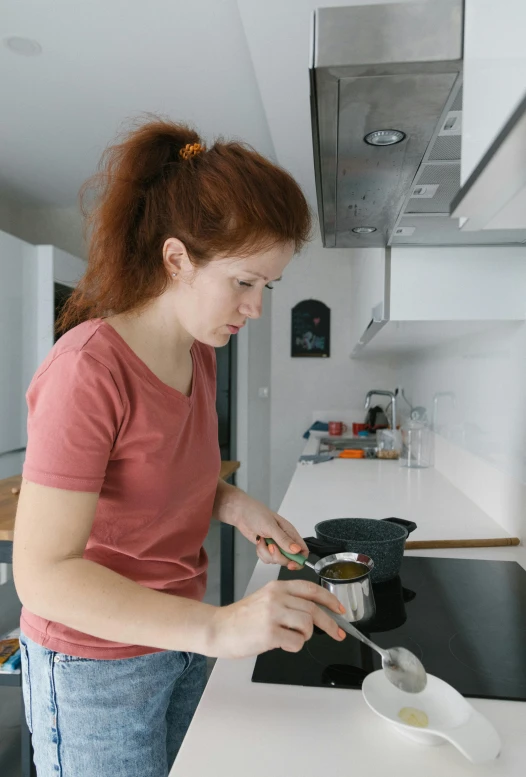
(446, 147)
(448, 179)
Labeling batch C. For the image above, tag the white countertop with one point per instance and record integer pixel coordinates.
(243, 728)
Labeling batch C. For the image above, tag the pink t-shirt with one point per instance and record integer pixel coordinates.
(101, 421)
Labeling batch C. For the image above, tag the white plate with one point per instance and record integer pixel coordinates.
(451, 716)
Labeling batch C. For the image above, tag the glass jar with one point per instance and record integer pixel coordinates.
(389, 443)
(416, 445)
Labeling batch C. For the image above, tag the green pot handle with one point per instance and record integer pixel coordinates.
(297, 557)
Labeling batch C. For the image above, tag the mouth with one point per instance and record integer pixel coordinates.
(234, 329)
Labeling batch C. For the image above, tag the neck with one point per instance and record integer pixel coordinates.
(154, 332)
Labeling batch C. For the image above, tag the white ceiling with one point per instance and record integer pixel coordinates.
(104, 62)
(234, 68)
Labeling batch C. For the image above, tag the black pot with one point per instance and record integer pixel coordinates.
(383, 541)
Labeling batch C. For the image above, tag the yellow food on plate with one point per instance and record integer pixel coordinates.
(414, 717)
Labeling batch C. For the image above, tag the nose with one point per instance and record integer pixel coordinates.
(252, 306)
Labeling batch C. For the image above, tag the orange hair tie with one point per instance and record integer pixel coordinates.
(190, 150)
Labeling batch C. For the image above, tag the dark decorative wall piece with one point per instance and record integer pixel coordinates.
(311, 329)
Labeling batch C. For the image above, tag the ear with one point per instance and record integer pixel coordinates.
(175, 256)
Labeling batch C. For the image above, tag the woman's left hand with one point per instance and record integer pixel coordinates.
(256, 522)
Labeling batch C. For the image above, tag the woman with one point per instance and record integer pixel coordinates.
(121, 474)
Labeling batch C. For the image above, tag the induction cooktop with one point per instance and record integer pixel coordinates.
(464, 619)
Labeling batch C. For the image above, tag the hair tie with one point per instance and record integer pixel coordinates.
(190, 150)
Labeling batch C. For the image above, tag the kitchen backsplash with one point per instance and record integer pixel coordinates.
(474, 390)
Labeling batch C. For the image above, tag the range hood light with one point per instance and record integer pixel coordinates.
(384, 137)
(364, 230)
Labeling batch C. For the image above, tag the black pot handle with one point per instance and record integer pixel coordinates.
(408, 595)
(321, 548)
(408, 525)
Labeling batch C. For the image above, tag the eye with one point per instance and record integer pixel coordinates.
(245, 283)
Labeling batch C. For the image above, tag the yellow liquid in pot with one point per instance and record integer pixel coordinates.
(343, 570)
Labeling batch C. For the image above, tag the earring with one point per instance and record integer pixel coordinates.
(174, 274)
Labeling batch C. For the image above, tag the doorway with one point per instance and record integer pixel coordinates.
(219, 543)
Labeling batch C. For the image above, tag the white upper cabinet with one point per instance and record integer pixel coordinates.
(407, 298)
(493, 166)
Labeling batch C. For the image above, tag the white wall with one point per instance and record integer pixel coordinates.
(303, 385)
(482, 436)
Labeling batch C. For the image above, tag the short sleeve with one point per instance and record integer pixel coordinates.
(74, 414)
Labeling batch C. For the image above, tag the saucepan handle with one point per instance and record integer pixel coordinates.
(322, 548)
(408, 525)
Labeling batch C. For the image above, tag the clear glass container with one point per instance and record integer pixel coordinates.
(389, 443)
(416, 445)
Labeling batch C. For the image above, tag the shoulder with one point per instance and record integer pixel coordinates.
(91, 339)
(82, 355)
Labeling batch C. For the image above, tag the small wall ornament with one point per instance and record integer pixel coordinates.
(311, 329)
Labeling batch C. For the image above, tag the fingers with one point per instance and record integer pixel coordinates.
(279, 558)
(263, 551)
(290, 640)
(304, 589)
(300, 620)
(285, 614)
(270, 554)
(314, 616)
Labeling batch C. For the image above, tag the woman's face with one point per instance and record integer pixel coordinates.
(213, 302)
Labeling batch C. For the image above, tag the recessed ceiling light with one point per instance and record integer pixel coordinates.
(364, 230)
(23, 46)
(384, 137)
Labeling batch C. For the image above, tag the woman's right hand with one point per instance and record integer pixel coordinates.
(282, 614)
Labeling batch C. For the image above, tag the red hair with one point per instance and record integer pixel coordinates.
(224, 201)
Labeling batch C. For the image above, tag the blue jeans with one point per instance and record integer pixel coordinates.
(98, 718)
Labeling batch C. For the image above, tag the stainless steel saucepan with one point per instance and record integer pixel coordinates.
(355, 592)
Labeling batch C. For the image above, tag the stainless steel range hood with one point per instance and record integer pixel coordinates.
(387, 67)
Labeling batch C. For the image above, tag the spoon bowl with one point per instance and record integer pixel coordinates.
(401, 667)
(404, 670)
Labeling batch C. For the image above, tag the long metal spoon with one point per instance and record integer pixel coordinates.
(402, 668)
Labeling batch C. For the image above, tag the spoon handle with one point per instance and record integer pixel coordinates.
(297, 557)
(350, 629)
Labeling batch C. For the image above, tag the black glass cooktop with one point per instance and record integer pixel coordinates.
(464, 619)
